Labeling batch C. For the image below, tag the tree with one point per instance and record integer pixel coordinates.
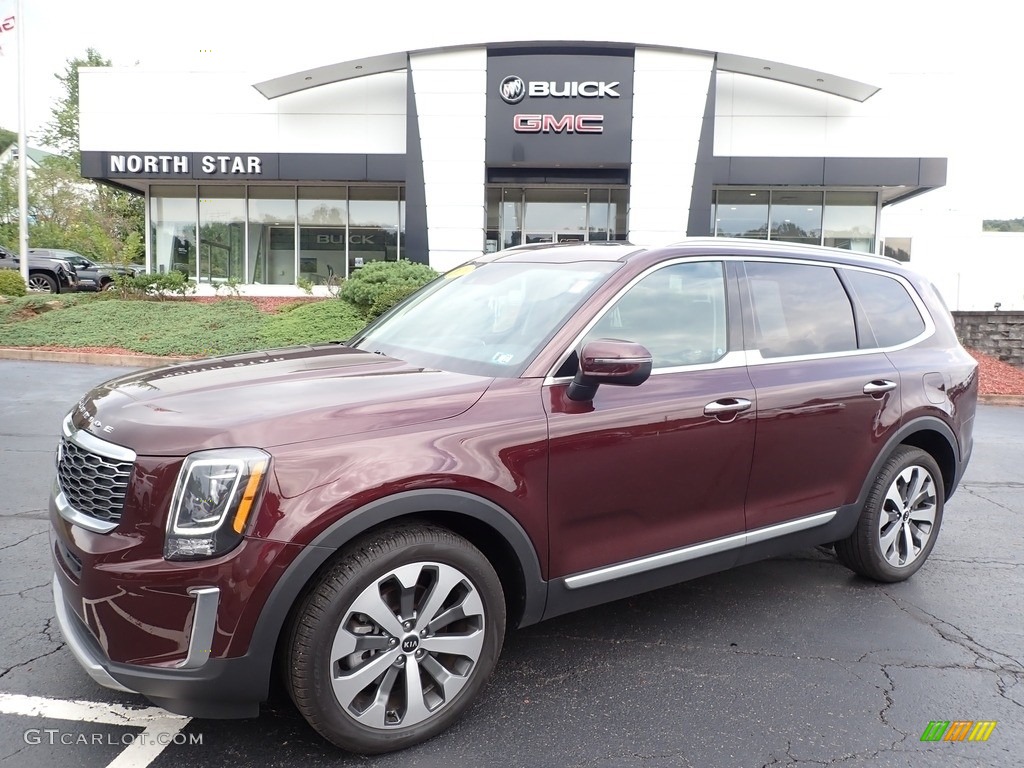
(7, 138)
(114, 224)
(62, 131)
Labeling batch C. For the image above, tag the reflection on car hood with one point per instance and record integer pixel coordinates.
(270, 398)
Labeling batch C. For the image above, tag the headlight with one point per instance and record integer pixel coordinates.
(213, 499)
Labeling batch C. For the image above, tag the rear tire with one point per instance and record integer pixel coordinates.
(900, 521)
(396, 640)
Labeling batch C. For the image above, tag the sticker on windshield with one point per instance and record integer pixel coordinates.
(502, 358)
(465, 269)
(579, 286)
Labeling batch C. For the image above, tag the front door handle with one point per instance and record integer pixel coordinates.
(726, 406)
(879, 387)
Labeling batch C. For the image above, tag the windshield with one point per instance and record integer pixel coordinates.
(488, 319)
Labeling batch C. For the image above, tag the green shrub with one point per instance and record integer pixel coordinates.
(381, 284)
(151, 284)
(388, 297)
(311, 322)
(11, 283)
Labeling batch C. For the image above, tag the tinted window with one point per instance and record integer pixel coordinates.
(799, 310)
(677, 312)
(890, 312)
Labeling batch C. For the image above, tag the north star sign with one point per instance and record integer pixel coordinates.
(211, 165)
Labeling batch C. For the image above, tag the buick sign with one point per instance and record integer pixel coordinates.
(512, 89)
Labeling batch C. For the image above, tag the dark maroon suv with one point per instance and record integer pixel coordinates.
(536, 432)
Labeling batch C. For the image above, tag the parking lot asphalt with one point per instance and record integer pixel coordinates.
(790, 661)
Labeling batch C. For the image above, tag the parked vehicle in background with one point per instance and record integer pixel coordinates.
(46, 274)
(92, 276)
(535, 432)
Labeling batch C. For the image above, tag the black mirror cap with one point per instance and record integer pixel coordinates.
(610, 361)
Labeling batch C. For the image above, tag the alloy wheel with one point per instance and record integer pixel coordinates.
(407, 645)
(908, 516)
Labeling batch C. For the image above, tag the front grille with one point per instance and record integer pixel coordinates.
(93, 484)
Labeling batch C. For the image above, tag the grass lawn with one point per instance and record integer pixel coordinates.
(174, 327)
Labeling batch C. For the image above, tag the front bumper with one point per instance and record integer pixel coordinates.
(78, 639)
(198, 687)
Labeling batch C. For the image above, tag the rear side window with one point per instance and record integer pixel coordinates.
(890, 312)
(799, 309)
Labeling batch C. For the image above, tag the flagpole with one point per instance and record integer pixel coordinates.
(22, 148)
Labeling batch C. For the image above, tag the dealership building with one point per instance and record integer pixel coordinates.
(440, 155)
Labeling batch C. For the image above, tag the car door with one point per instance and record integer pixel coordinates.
(655, 469)
(825, 406)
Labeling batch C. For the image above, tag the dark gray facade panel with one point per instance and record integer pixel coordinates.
(416, 243)
(386, 167)
(559, 110)
(324, 167)
(774, 170)
(933, 171)
(699, 221)
(830, 171)
(241, 166)
(872, 171)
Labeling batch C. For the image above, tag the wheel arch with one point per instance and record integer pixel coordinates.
(931, 435)
(482, 522)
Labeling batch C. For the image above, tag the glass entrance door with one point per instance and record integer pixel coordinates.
(551, 214)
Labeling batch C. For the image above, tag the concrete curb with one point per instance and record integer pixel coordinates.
(88, 358)
(1001, 399)
(152, 361)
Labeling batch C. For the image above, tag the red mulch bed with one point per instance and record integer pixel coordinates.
(997, 377)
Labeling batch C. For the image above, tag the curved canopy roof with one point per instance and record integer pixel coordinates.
(726, 62)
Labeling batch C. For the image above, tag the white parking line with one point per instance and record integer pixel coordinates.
(159, 726)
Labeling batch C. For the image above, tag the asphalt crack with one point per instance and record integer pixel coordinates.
(22, 541)
(999, 662)
(33, 660)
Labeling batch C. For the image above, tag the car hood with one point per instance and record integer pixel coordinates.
(269, 398)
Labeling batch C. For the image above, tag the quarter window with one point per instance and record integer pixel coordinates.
(891, 314)
(677, 312)
(799, 309)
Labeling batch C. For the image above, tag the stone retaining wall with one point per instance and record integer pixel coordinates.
(999, 334)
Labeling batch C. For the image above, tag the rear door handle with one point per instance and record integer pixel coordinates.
(879, 387)
(726, 406)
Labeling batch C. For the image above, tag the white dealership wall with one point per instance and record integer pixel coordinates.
(220, 111)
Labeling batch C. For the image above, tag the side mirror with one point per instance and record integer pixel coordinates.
(609, 361)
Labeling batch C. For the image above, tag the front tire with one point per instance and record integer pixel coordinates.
(396, 640)
(900, 520)
(39, 282)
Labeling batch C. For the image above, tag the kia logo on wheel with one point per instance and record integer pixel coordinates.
(512, 89)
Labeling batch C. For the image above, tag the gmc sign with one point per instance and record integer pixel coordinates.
(563, 124)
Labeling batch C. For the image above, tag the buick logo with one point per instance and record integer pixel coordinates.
(512, 89)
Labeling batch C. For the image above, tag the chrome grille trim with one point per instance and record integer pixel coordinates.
(92, 479)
